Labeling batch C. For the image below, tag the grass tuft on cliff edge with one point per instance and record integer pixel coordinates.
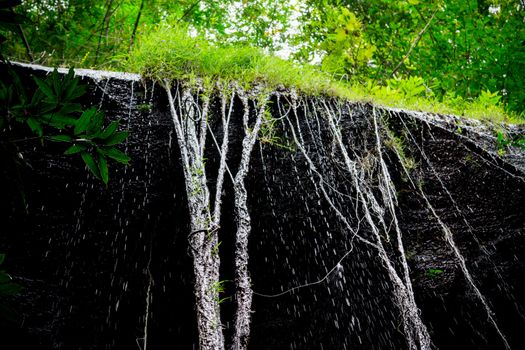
(170, 53)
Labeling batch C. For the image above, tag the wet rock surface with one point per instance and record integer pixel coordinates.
(86, 254)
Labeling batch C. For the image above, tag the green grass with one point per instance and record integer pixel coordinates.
(170, 53)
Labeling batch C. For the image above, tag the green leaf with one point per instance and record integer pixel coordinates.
(55, 78)
(70, 75)
(2, 258)
(103, 168)
(91, 164)
(70, 108)
(38, 96)
(115, 154)
(17, 82)
(35, 126)
(82, 123)
(4, 277)
(44, 107)
(60, 138)
(59, 120)
(46, 89)
(116, 138)
(110, 130)
(70, 85)
(7, 289)
(77, 91)
(75, 149)
(95, 127)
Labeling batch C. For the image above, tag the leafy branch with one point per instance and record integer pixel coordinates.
(54, 113)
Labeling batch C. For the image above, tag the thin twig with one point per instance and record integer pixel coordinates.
(105, 28)
(414, 43)
(132, 39)
(188, 10)
(24, 39)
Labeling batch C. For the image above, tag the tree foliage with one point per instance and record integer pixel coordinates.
(52, 111)
(460, 48)
(470, 46)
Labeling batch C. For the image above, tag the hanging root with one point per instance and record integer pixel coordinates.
(244, 293)
(414, 327)
(190, 124)
(372, 210)
(447, 233)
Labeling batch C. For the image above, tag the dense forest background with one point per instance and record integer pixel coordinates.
(453, 50)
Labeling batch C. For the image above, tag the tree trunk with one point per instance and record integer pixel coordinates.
(132, 39)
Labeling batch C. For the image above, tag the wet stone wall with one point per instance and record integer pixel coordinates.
(97, 262)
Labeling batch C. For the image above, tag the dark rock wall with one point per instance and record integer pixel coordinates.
(298, 239)
(482, 199)
(85, 253)
(82, 250)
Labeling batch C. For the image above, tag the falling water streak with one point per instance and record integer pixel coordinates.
(389, 197)
(332, 205)
(314, 170)
(442, 184)
(122, 224)
(449, 238)
(457, 208)
(423, 117)
(104, 92)
(315, 135)
(317, 171)
(309, 284)
(148, 299)
(409, 311)
(203, 242)
(383, 255)
(327, 198)
(149, 275)
(244, 293)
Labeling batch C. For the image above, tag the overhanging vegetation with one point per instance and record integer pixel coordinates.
(170, 53)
